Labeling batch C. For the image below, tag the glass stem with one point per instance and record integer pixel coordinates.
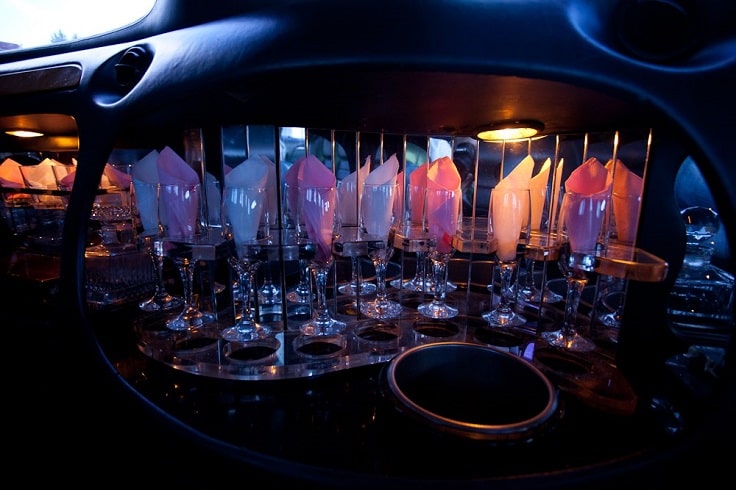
(245, 277)
(439, 267)
(320, 274)
(506, 273)
(158, 263)
(575, 284)
(357, 277)
(380, 266)
(190, 313)
(420, 276)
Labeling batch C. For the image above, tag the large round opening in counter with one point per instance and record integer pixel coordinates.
(473, 391)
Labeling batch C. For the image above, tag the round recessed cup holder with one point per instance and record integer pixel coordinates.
(257, 351)
(473, 391)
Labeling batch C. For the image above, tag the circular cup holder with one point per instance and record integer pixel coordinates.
(431, 330)
(319, 346)
(253, 352)
(474, 391)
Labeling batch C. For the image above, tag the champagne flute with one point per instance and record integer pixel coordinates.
(443, 220)
(302, 292)
(581, 216)
(348, 206)
(379, 217)
(182, 215)
(146, 199)
(505, 219)
(316, 208)
(245, 222)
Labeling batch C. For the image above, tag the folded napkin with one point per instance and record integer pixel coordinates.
(626, 199)
(179, 195)
(443, 208)
(317, 202)
(117, 178)
(556, 191)
(172, 169)
(245, 198)
(40, 176)
(379, 193)
(349, 193)
(417, 187)
(10, 175)
(509, 208)
(584, 204)
(538, 194)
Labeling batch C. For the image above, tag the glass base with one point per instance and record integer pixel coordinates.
(301, 297)
(323, 327)
(533, 296)
(190, 320)
(381, 309)
(245, 331)
(269, 294)
(497, 318)
(574, 342)
(354, 289)
(161, 302)
(436, 309)
(418, 286)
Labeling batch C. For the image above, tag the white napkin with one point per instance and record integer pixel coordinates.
(377, 205)
(348, 191)
(145, 180)
(245, 197)
(40, 176)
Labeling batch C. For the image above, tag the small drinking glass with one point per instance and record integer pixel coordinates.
(182, 216)
(379, 217)
(443, 220)
(245, 222)
(317, 220)
(145, 199)
(581, 217)
(505, 227)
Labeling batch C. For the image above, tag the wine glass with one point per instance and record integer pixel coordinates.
(245, 222)
(302, 292)
(146, 199)
(348, 206)
(506, 211)
(185, 234)
(581, 217)
(378, 217)
(316, 208)
(443, 220)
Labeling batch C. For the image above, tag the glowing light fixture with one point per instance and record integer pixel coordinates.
(23, 133)
(509, 130)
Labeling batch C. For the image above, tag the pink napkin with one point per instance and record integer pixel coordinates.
(377, 205)
(443, 212)
(10, 175)
(348, 192)
(117, 178)
(583, 206)
(626, 199)
(417, 185)
(318, 201)
(172, 169)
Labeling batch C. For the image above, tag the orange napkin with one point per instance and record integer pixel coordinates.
(584, 204)
(626, 198)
